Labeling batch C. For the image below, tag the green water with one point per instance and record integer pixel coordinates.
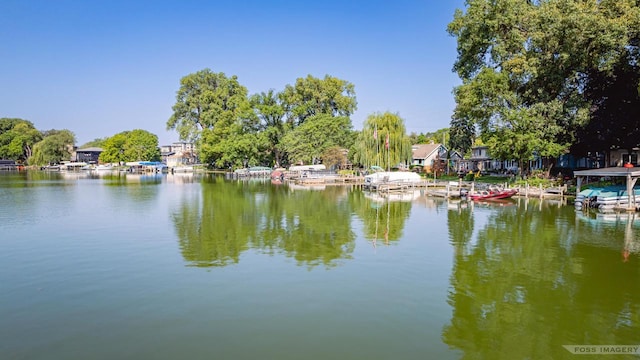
(197, 267)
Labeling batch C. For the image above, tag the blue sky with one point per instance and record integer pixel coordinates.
(101, 67)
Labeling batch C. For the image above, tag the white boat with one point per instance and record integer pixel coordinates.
(398, 178)
(301, 168)
(254, 171)
(51, 168)
(104, 167)
(154, 166)
(183, 169)
(404, 196)
(586, 196)
(259, 171)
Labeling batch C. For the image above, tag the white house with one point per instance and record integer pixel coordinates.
(179, 153)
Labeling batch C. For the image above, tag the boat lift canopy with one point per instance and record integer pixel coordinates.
(630, 173)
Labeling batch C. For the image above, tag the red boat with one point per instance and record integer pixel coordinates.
(492, 194)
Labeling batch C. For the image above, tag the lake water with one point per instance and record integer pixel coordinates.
(197, 267)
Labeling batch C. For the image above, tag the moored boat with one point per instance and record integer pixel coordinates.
(492, 193)
(104, 167)
(374, 180)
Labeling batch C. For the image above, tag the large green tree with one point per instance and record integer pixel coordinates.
(134, 145)
(56, 146)
(270, 111)
(462, 134)
(615, 119)
(382, 142)
(230, 147)
(205, 99)
(233, 130)
(17, 137)
(310, 140)
(312, 96)
(98, 142)
(113, 148)
(527, 68)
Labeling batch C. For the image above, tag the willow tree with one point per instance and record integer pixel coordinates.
(55, 147)
(383, 142)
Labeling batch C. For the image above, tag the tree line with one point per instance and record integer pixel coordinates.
(306, 122)
(22, 142)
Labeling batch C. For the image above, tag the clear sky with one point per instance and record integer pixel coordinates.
(100, 67)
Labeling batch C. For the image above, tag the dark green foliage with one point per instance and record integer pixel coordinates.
(135, 145)
(56, 146)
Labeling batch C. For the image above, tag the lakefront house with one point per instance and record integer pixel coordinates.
(430, 157)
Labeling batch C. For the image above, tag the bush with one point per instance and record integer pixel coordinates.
(536, 182)
(346, 172)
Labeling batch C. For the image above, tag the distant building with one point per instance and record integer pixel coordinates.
(8, 165)
(89, 155)
(179, 153)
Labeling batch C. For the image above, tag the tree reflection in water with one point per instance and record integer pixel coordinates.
(383, 219)
(537, 278)
(226, 218)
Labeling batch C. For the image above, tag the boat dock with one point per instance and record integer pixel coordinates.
(386, 183)
(630, 174)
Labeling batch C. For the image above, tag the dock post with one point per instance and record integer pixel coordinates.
(540, 190)
(631, 196)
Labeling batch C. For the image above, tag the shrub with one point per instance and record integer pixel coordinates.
(536, 182)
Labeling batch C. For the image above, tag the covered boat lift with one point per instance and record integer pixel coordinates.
(630, 173)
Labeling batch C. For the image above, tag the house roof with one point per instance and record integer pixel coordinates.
(610, 171)
(423, 151)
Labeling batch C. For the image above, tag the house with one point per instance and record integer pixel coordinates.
(88, 155)
(599, 159)
(481, 160)
(616, 157)
(433, 156)
(8, 165)
(179, 153)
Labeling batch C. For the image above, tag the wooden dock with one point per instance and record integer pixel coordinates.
(436, 188)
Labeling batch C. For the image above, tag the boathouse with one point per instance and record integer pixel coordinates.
(88, 155)
(630, 173)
